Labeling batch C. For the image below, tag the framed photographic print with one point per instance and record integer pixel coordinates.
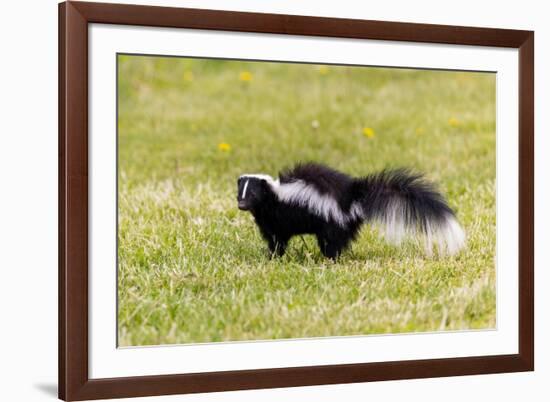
(259, 200)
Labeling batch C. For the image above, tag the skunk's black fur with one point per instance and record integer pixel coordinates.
(315, 199)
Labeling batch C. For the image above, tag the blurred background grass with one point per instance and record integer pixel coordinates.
(192, 268)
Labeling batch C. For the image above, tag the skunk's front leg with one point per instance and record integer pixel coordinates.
(277, 245)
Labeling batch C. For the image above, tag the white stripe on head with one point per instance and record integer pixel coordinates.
(244, 190)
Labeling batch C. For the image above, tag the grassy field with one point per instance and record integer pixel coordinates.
(193, 268)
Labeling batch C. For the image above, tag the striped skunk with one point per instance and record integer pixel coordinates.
(314, 199)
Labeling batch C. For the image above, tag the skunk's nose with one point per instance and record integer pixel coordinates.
(243, 206)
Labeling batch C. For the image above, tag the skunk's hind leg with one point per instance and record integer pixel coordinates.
(333, 241)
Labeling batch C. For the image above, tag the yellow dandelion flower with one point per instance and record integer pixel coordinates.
(245, 76)
(224, 147)
(453, 122)
(419, 131)
(368, 132)
(323, 70)
(188, 76)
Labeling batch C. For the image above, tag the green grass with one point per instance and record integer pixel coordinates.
(193, 268)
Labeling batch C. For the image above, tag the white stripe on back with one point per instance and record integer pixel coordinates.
(306, 195)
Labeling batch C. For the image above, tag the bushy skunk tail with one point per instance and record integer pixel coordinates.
(406, 204)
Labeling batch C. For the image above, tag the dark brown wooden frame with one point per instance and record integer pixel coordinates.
(74, 17)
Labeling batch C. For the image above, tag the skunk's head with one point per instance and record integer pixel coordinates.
(252, 190)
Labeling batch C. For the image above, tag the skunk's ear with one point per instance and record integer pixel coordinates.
(263, 183)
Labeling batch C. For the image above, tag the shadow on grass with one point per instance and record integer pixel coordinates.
(308, 255)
